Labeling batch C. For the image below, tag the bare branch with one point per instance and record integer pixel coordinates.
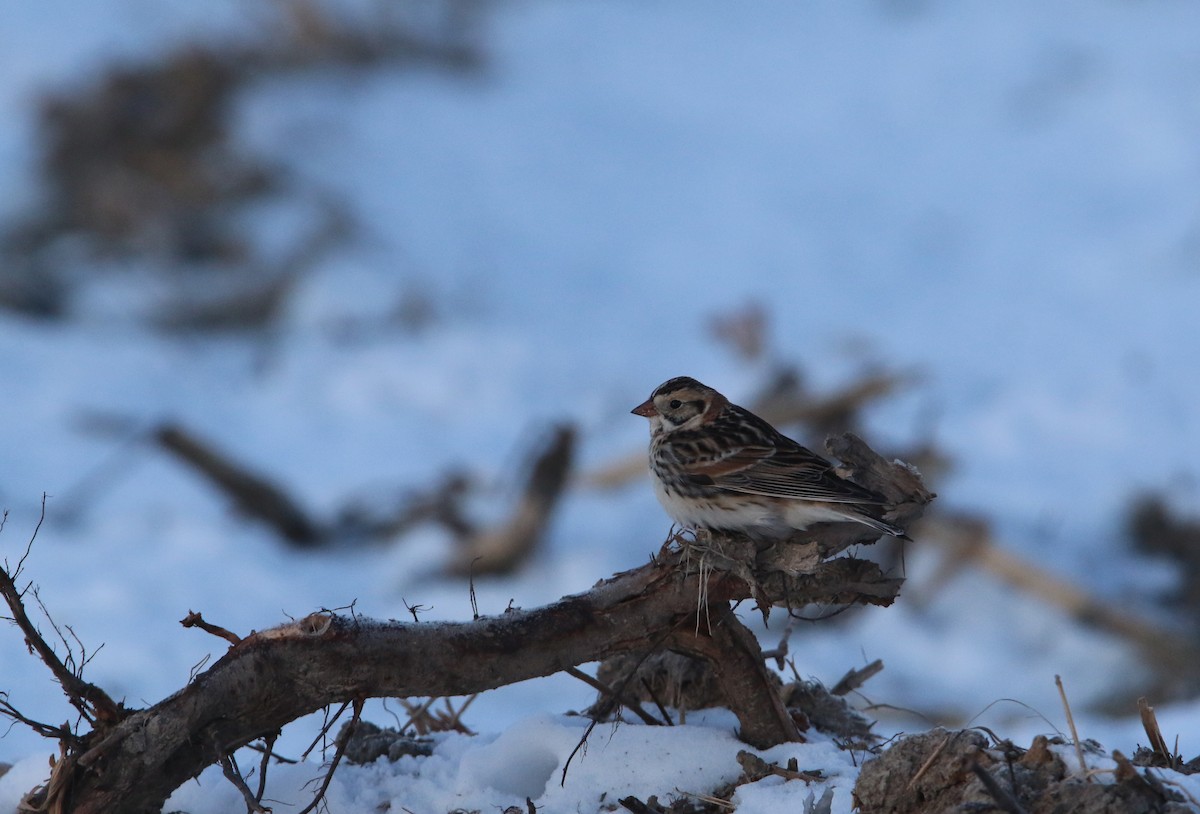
(608, 692)
(233, 774)
(337, 758)
(91, 701)
(252, 493)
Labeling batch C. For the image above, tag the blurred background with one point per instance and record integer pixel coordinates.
(309, 304)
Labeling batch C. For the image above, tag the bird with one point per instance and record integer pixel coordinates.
(718, 466)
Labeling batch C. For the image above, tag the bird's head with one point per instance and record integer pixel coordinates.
(679, 403)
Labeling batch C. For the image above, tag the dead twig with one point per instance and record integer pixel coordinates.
(337, 758)
(1062, 693)
(929, 761)
(756, 769)
(855, 678)
(1158, 744)
(277, 675)
(93, 704)
(233, 774)
(1003, 799)
(252, 493)
(608, 692)
(502, 549)
(194, 619)
(328, 725)
(971, 543)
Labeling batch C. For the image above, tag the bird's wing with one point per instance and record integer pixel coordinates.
(781, 469)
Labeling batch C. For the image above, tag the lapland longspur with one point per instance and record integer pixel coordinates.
(718, 466)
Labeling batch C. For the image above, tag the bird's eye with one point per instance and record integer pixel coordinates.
(675, 404)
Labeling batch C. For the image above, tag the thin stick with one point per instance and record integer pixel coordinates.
(1071, 723)
(620, 690)
(337, 758)
(194, 619)
(1004, 800)
(607, 691)
(415, 713)
(455, 719)
(268, 743)
(929, 761)
(654, 697)
(854, 679)
(324, 730)
(1153, 732)
(84, 696)
(230, 769)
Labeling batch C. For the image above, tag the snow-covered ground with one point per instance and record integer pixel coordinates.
(996, 196)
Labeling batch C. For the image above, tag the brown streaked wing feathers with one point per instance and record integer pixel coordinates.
(776, 466)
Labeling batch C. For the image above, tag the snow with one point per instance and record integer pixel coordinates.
(1000, 198)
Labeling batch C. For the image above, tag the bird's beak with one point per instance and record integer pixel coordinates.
(646, 408)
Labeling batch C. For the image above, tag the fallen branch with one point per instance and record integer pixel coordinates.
(970, 542)
(269, 678)
(275, 676)
(502, 549)
(252, 493)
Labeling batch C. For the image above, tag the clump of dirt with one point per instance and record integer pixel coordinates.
(958, 771)
(364, 742)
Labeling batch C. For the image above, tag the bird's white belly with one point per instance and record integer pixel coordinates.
(748, 513)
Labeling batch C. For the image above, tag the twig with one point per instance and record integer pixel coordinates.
(264, 764)
(929, 761)
(324, 731)
(254, 747)
(471, 589)
(69, 661)
(971, 541)
(251, 492)
(1004, 800)
(756, 768)
(454, 721)
(616, 693)
(1150, 723)
(198, 666)
(1071, 723)
(505, 547)
(92, 702)
(654, 697)
(413, 609)
(854, 679)
(337, 758)
(416, 713)
(230, 769)
(194, 619)
(607, 691)
(32, 537)
(45, 730)
(635, 805)
(780, 652)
